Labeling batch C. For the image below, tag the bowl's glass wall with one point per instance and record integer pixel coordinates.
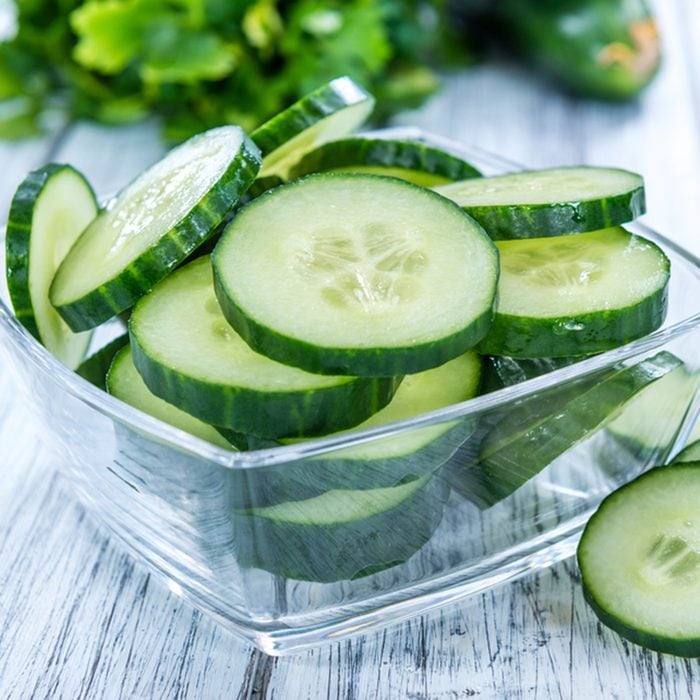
(222, 529)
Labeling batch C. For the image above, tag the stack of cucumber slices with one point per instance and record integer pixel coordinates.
(304, 282)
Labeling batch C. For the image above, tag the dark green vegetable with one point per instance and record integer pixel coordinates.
(603, 48)
(202, 64)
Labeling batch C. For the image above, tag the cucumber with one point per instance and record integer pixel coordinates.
(650, 421)
(577, 295)
(639, 558)
(189, 356)
(409, 160)
(342, 534)
(124, 382)
(95, 368)
(529, 439)
(364, 275)
(153, 225)
(692, 452)
(395, 459)
(328, 113)
(500, 372)
(49, 210)
(552, 202)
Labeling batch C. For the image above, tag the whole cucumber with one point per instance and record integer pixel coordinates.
(602, 48)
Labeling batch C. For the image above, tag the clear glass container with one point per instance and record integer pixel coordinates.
(296, 545)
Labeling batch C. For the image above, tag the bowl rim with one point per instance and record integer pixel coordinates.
(182, 441)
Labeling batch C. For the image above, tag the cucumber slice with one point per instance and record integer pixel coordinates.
(577, 295)
(189, 356)
(153, 225)
(552, 202)
(331, 111)
(650, 421)
(640, 560)
(95, 368)
(526, 441)
(364, 275)
(342, 534)
(420, 164)
(49, 211)
(399, 458)
(124, 382)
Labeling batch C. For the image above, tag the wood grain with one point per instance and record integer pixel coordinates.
(79, 619)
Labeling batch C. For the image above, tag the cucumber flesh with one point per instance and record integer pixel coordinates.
(189, 356)
(577, 295)
(640, 560)
(124, 382)
(553, 202)
(408, 160)
(525, 442)
(364, 275)
(341, 534)
(331, 111)
(650, 420)
(50, 209)
(153, 225)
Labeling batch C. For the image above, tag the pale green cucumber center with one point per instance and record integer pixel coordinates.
(417, 177)
(146, 210)
(542, 187)
(126, 384)
(446, 385)
(642, 554)
(337, 124)
(181, 325)
(64, 208)
(600, 270)
(340, 505)
(357, 261)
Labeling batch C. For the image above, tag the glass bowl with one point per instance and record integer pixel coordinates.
(292, 546)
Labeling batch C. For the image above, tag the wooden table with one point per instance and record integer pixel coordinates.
(79, 619)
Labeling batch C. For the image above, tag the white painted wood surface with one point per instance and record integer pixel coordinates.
(78, 619)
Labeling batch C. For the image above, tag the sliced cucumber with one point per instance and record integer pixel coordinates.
(153, 225)
(328, 113)
(95, 368)
(189, 356)
(49, 211)
(640, 560)
(364, 275)
(551, 202)
(650, 421)
(500, 372)
(577, 295)
(124, 382)
(529, 439)
(398, 458)
(409, 160)
(342, 534)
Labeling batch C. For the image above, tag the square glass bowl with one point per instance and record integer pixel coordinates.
(296, 545)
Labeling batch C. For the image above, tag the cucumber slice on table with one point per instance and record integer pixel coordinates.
(398, 458)
(330, 112)
(341, 534)
(153, 225)
(551, 202)
(364, 275)
(95, 368)
(640, 560)
(409, 160)
(532, 436)
(189, 356)
(49, 211)
(577, 295)
(124, 382)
